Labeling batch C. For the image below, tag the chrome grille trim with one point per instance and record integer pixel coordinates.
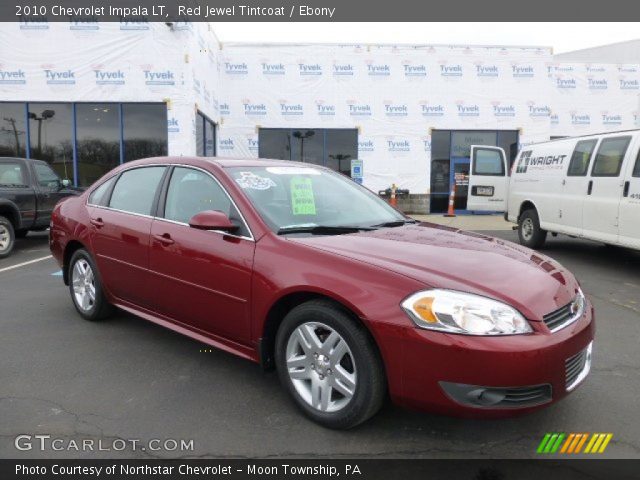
(564, 316)
(577, 367)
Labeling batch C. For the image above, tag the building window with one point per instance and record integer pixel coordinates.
(83, 141)
(98, 140)
(274, 143)
(205, 136)
(341, 146)
(144, 128)
(51, 136)
(13, 130)
(333, 148)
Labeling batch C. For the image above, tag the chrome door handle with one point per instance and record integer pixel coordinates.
(164, 239)
(97, 222)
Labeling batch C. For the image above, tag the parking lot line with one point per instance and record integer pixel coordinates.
(25, 263)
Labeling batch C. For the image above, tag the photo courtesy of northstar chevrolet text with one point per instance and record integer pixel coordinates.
(382, 246)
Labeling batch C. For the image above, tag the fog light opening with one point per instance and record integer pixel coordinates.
(487, 397)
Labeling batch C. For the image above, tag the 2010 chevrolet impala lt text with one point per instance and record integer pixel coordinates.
(297, 267)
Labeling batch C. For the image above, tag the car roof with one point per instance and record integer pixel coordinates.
(225, 162)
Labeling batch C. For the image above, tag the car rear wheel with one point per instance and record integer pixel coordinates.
(329, 365)
(529, 231)
(86, 288)
(7, 237)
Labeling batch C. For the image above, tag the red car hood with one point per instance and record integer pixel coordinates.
(442, 257)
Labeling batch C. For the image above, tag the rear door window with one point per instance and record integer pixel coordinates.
(636, 169)
(488, 162)
(99, 195)
(12, 175)
(136, 189)
(581, 158)
(610, 156)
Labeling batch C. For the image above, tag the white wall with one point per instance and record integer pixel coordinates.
(593, 97)
(115, 62)
(393, 95)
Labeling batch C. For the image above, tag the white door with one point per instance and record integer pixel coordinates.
(575, 186)
(604, 190)
(488, 180)
(630, 206)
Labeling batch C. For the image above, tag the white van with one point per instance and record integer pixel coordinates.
(586, 187)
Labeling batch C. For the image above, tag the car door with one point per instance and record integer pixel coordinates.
(48, 188)
(575, 186)
(604, 190)
(120, 227)
(488, 181)
(201, 278)
(629, 232)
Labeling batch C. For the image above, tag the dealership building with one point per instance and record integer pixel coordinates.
(87, 96)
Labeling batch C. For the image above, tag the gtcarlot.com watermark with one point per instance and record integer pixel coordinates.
(49, 443)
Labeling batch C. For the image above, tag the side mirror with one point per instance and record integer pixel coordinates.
(66, 183)
(212, 220)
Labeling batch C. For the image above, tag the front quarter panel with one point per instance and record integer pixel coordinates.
(283, 267)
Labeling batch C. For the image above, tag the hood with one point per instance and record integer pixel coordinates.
(443, 257)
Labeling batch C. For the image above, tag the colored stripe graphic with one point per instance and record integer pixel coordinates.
(572, 443)
(582, 440)
(543, 443)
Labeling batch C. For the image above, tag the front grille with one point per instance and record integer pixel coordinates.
(577, 367)
(558, 318)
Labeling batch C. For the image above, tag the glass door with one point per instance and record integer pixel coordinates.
(460, 167)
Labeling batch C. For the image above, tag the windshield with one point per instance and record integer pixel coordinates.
(290, 198)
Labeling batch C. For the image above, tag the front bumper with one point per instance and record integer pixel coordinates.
(439, 371)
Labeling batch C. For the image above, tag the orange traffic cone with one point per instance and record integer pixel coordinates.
(452, 199)
(392, 200)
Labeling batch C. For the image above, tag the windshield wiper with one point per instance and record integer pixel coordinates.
(13, 185)
(322, 229)
(395, 223)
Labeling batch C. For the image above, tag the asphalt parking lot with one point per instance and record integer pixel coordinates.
(127, 378)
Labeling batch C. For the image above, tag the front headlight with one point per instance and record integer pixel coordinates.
(458, 312)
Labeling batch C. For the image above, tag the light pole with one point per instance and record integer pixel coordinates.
(340, 157)
(14, 130)
(302, 136)
(43, 116)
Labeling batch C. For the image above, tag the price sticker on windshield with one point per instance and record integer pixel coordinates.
(302, 199)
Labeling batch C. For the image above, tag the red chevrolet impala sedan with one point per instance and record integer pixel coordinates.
(296, 267)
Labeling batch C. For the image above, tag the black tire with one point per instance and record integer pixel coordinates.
(98, 309)
(7, 237)
(529, 232)
(21, 233)
(370, 382)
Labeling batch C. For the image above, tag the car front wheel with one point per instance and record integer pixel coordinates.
(329, 365)
(86, 288)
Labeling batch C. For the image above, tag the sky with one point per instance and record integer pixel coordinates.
(563, 37)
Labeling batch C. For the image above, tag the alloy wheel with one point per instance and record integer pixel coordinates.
(321, 367)
(84, 285)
